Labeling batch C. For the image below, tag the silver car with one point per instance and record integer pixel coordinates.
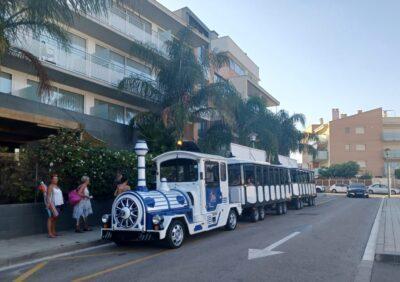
(382, 189)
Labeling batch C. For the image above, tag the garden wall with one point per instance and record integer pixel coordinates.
(28, 219)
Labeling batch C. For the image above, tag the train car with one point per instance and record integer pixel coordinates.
(192, 196)
(259, 186)
(303, 186)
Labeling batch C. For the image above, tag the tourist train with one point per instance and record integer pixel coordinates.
(200, 192)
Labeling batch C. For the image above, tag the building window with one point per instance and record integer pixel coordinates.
(5, 82)
(57, 97)
(218, 78)
(360, 147)
(360, 130)
(236, 68)
(108, 111)
(347, 147)
(362, 164)
(129, 115)
(347, 130)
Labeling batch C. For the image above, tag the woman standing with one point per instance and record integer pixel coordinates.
(84, 208)
(54, 201)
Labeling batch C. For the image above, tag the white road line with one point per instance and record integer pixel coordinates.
(4, 268)
(324, 202)
(369, 253)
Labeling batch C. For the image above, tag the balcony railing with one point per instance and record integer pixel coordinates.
(392, 154)
(121, 21)
(391, 136)
(80, 62)
(322, 156)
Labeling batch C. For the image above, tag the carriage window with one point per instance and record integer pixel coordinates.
(249, 177)
(259, 176)
(179, 170)
(293, 174)
(266, 175)
(235, 175)
(212, 174)
(283, 176)
(277, 176)
(222, 169)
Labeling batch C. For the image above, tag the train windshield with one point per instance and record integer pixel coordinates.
(179, 170)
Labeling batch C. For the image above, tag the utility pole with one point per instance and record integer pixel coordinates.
(387, 151)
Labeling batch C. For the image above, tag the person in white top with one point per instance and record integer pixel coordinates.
(84, 208)
(54, 203)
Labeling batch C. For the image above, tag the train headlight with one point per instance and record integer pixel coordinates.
(157, 219)
(105, 218)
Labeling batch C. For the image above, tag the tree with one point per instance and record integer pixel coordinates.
(19, 18)
(397, 173)
(181, 86)
(345, 170)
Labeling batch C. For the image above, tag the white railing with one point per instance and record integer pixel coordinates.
(121, 21)
(80, 62)
(391, 136)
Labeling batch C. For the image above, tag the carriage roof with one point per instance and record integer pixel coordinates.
(187, 154)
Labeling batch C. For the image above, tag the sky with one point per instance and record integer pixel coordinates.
(315, 55)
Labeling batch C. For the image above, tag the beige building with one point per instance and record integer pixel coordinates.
(371, 138)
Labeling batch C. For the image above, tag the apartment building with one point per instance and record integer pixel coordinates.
(85, 77)
(370, 138)
(321, 159)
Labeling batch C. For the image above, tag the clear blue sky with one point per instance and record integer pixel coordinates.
(315, 54)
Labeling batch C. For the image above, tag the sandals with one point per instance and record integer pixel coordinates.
(78, 231)
(88, 229)
(51, 236)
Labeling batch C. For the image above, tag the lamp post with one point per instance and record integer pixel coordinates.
(387, 151)
(141, 150)
(253, 138)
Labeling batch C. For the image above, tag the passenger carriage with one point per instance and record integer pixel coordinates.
(192, 196)
(303, 187)
(259, 186)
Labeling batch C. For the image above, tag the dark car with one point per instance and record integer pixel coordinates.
(356, 190)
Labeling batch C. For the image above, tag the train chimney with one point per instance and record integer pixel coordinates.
(141, 150)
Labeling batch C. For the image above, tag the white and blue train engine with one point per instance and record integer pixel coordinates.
(192, 196)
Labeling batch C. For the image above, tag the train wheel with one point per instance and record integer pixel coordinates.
(301, 204)
(254, 215)
(284, 208)
(175, 235)
(232, 220)
(279, 209)
(297, 204)
(261, 213)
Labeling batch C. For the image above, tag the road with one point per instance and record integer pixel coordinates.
(329, 246)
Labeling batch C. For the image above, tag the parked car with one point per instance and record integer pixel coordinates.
(356, 190)
(338, 188)
(382, 189)
(320, 188)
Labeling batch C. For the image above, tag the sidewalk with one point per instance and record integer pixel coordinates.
(21, 249)
(388, 243)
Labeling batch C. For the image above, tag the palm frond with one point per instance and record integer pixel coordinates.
(141, 87)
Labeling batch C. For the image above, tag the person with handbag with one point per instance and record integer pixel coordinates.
(83, 207)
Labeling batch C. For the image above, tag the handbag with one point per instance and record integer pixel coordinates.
(73, 197)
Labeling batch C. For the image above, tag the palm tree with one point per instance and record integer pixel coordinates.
(19, 18)
(181, 87)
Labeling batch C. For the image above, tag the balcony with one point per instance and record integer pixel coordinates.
(80, 63)
(322, 156)
(391, 136)
(121, 21)
(392, 154)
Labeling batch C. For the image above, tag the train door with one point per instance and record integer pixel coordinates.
(249, 183)
(267, 183)
(213, 193)
(259, 183)
(236, 189)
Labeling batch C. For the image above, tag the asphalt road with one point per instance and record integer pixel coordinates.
(329, 247)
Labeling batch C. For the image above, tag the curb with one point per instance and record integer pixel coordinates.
(9, 262)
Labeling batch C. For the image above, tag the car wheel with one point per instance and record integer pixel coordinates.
(175, 235)
(371, 191)
(232, 221)
(261, 213)
(393, 192)
(334, 191)
(254, 215)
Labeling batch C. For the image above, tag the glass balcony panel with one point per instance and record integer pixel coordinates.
(391, 136)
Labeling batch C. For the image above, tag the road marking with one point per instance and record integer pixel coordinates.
(108, 270)
(91, 255)
(369, 253)
(324, 202)
(53, 257)
(364, 269)
(31, 271)
(268, 251)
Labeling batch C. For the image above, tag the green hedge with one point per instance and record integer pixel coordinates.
(71, 158)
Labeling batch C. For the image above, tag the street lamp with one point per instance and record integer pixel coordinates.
(253, 138)
(387, 152)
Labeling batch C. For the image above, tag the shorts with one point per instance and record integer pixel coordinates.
(56, 213)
